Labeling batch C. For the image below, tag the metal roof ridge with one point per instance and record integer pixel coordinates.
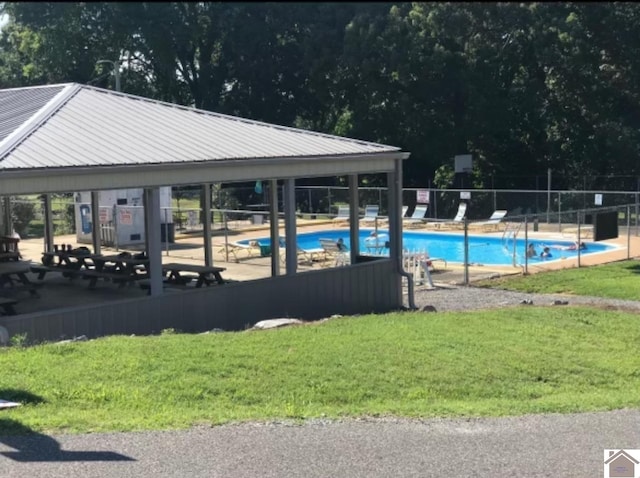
(238, 118)
(37, 119)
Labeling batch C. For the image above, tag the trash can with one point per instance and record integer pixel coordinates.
(167, 229)
(265, 251)
(257, 219)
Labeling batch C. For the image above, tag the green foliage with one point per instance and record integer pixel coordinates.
(19, 340)
(522, 86)
(23, 211)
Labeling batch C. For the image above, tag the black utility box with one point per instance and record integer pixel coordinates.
(605, 225)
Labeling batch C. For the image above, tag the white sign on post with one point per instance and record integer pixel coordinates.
(422, 196)
(465, 194)
(598, 200)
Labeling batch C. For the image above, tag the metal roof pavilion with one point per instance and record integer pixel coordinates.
(67, 137)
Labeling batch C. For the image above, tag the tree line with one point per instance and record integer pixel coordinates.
(523, 87)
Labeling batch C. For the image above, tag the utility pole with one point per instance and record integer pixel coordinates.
(95, 195)
(116, 71)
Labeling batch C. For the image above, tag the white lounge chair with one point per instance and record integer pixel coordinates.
(234, 248)
(417, 217)
(370, 214)
(306, 256)
(332, 251)
(458, 219)
(343, 215)
(493, 223)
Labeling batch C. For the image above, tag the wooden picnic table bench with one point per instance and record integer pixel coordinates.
(125, 269)
(9, 248)
(69, 263)
(14, 275)
(6, 304)
(120, 278)
(206, 274)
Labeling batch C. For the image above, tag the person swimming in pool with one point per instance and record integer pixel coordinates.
(531, 251)
(573, 247)
(546, 253)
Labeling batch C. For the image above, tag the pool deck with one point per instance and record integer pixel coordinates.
(188, 248)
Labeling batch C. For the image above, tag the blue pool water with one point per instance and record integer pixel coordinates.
(482, 250)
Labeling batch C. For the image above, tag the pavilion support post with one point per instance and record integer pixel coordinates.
(6, 216)
(95, 222)
(154, 245)
(394, 186)
(274, 228)
(208, 254)
(48, 223)
(394, 182)
(354, 217)
(291, 240)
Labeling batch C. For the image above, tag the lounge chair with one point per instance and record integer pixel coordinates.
(332, 251)
(417, 217)
(457, 221)
(404, 211)
(370, 214)
(307, 256)
(343, 215)
(234, 248)
(491, 224)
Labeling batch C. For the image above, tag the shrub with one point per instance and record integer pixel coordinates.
(23, 212)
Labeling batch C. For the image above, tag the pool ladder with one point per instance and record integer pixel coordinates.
(510, 234)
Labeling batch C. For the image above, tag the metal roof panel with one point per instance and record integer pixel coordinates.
(17, 105)
(97, 127)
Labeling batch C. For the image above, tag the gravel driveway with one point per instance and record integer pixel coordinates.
(447, 298)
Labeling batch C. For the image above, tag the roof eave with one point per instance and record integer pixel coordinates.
(52, 180)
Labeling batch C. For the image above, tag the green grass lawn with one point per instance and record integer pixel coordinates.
(481, 363)
(616, 280)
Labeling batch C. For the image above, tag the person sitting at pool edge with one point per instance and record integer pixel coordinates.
(531, 251)
(546, 253)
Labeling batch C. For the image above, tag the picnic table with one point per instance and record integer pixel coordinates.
(14, 275)
(9, 249)
(119, 268)
(69, 263)
(206, 274)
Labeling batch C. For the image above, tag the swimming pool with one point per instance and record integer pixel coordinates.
(482, 249)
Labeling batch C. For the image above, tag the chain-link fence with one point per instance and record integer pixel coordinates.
(239, 207)
(475, 247)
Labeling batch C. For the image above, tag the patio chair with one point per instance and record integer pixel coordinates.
(370, 214)
(343, 215)
(305, 256)
(333, 251)
(417, 217)
(234, 248)
(491, 224)
(457, 221)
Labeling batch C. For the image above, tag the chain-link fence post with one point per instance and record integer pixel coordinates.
(628, 232)
(226, 236)
(466, 251)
